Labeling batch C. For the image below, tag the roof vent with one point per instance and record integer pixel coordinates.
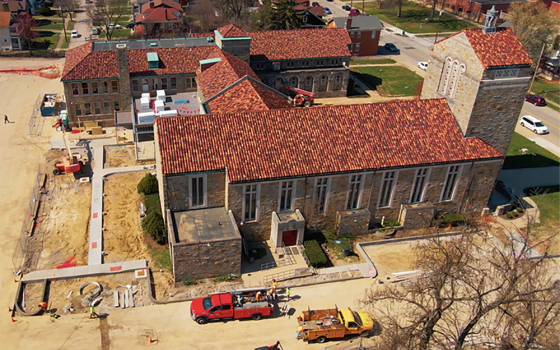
(153, 44)
(121, 46)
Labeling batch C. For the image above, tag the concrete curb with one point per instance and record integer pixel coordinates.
(19, 293)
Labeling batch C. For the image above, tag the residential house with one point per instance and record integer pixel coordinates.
(267, 175)
(475, 10)
(9, 32)
(312, 18)
(159, 17)
(364, 31)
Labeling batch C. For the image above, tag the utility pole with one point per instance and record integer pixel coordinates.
(437, 30)
(537, 68)
(64, 27)
(363, 6)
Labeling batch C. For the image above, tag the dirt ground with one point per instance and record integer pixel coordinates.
(121, 156)
(392, 257)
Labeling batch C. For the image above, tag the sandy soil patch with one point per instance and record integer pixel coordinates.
(121, 156)
(392, 257)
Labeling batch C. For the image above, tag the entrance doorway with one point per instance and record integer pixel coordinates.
(289, 237)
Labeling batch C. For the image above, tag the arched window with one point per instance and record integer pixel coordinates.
(444, 76)
(294, 81)
(309, 83)
(278, 82)
(457, 80)
(451, 77)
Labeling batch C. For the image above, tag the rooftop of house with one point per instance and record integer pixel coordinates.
(232, 31)
(158, 15)
(5, 18)
(317, 11)
(359, 22)
(499, 49)
(274, 45)
(322, 140)
(162, 3)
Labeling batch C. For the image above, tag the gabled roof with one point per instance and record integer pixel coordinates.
(162, 3)
(359, 22)
(83, 62)
(158, 15)
(273, 45)
(321, 140)
(317, 11)
(498, 49)
(247, 95)
(5, 18)
(223, 73)
(232, 31)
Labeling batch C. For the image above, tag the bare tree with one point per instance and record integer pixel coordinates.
(395, 3)
(206, 17)
(106, 13)
(67, 6)
(232, 9)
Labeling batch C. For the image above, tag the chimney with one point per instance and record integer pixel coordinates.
(205, 64)
(348, 24)
(124, 77)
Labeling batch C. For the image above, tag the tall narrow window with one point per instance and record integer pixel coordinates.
(135, 85)
(87, 108)
(354, 192)
(286, 195)
(173, 83)
(420, 181)
(97, 106)
(75, 91)
(114, 86)
(78, 110)
(387, 187)
(104, 88)
(107, 107)
(94, 88)
(450, 183)
(164, 83)
(444, 76)
(116, 106)
(250, 204)
(85, 89)
(359, 35)
(321, 194)
(197, 191)
(357, 47)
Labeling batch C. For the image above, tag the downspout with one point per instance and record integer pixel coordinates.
(467, 187)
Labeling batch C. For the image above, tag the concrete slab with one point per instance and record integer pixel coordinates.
(203, 225)
(84, 271)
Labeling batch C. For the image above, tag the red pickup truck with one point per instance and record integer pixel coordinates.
(229, 306)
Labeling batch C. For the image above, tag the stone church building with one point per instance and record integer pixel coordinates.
(267, 175)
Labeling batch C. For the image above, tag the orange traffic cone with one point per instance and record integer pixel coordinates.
(10, 309)
(13, 320)
(15, 281)
(150, 340)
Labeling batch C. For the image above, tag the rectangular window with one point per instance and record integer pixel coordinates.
(154, 84)
(351, 34)
(117, 106)
(359, 35)
(115, 87)
(350, 47)
(321, 186)
(191, 82)
(104, 88)
(85, 89)
(173, 83)
(107, 107)
(286, 189)
(94, 88)
(250, 204)
(420, 181)
(97, 107)
(135, 86)
(276, 66)
(78, 110)
(387, 187)
(164, 83)
(87, 107)
(197, 191)
(354, 192)
(75, 90)
(373, 34)
(450, 183)
(357, 48)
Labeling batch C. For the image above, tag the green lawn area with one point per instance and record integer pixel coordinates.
(515, 159)
(43, 24)
(389, 80)
(550, 91)
(47, 40)
(69, 25)
(379, 61)
(64, 44)
(117, 33)
(548, 201)
(160, 255)
(152, 203)
(412, 16)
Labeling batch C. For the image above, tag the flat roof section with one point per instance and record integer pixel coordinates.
(153, 43)
(203, 225)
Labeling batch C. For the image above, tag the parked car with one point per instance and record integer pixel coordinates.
(533, 124)
(354, 13)
(346, 7)
(423, 65)
(95, 31)
(536, 100)
(114, 26)
(327, 10)
(130, 25)
(391, 47)
(315, 4)
(74, 34)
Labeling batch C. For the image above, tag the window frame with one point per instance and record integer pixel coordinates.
(114, 86)
(359, 35)
(457, 169)
(116, 106)
(87, 108)
(323, 190)
(86, 90)
(426, 179)
(382, 190)
(357, 47)
(107, 107)
(94, 88)
(255, 190)
(204, 191)
(75, 88)
(97, 108)
(173, 83)
(353, 191)
(286, 195)
(78, 110)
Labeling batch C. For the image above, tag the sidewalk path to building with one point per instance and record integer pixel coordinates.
(96, 221)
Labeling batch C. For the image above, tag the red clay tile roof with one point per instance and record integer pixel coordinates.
(5, 19)
(162, 3)
(498, 49)
(247, 96)
(158, 15)
(317, 11)
(84, 63)
(232, 31)
(222, 74)
(307, 141)
(296, 44)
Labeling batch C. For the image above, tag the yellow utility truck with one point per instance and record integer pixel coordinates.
(320, 325)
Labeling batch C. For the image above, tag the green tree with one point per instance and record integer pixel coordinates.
(534, 25)
(264, 18)
(148, 184)
(285, 16)
(154, 226)
(106, 14)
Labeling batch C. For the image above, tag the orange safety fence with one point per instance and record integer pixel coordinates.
(49, 72)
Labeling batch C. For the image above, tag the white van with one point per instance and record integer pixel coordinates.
(94, 31)
(533, 124)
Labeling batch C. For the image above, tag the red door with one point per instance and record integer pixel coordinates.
(289, 237)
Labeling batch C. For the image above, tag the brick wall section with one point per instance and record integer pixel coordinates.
(483, 105)
(105, 120)
(176, 190)
(124, 77)
(352, 222)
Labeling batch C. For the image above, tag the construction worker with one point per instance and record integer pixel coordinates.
(259, 296)
(93, 313)
(288, 292)
(274, 287)
(43, 306)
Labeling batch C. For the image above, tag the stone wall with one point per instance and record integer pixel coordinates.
(352, 222)
(72, 101)
(197, 260)
(238, 47)
(415, 216)
(176, 188)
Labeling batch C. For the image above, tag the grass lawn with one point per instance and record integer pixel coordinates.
(43, 24)
(548, 202)
(65, 43)
(117, 33)
(516, 160)
(413, 15)
(47, 40)
(160, 255)
(389, 80)
(152, 203)
(69, 25)
(366, 61)
(547, 89)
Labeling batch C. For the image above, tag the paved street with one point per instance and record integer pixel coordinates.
(551, 119)
(82, 24)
